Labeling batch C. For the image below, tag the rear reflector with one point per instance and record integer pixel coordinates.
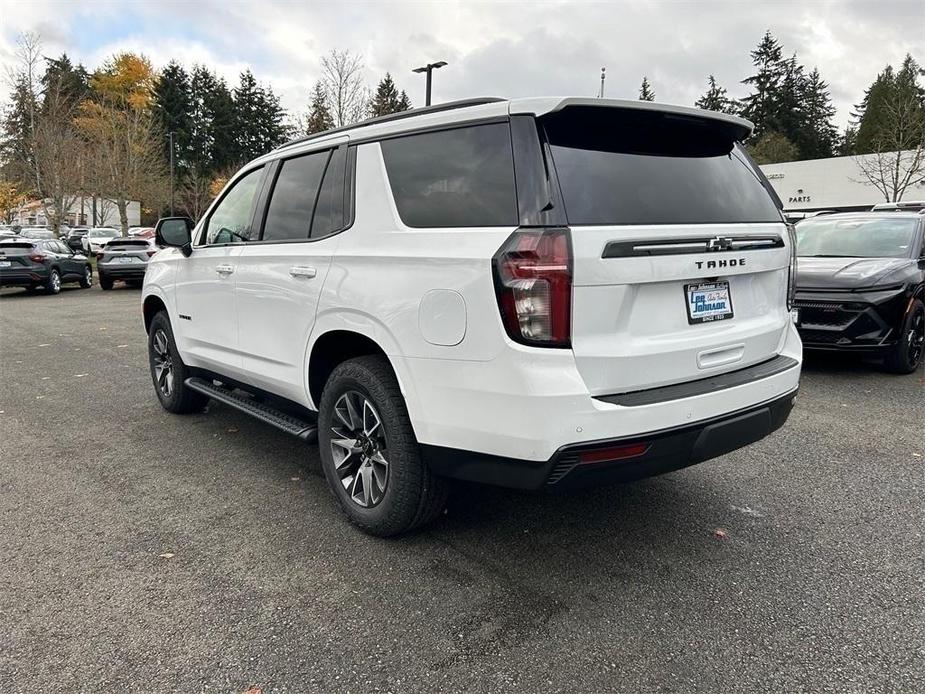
(601, 455)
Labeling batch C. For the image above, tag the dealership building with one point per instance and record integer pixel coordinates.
(829, 184)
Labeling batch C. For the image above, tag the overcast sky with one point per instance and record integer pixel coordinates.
(495, 49)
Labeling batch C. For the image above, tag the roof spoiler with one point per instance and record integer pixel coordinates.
(739, 127)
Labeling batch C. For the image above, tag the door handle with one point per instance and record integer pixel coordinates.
(302, 271)
(224, 269)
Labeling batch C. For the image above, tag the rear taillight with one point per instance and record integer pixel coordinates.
(792, 271)
(37, 257)
(533, 281)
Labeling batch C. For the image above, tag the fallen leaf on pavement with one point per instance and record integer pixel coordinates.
(231, 430)
(720, 534)
(166, 555)
(253, 690)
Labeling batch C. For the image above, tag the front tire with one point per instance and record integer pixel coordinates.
(906, 356)
(168, 372)
(369, 454)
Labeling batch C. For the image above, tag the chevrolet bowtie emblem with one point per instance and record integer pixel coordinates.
(719, 243)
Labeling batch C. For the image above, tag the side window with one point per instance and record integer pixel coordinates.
(329, 212)
(230, 221)
(454, 178)
(289, 215)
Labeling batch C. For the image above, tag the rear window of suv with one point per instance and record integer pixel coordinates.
(462, 177)
(642, 167)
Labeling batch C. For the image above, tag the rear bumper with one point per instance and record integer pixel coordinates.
(665, 450)
(527, 404)
(123, 271)
(23, 278)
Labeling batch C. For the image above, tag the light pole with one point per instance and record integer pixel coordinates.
(603, 71)
(170, 137)
(429, 68)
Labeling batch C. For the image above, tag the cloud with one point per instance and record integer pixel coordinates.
(503, 49)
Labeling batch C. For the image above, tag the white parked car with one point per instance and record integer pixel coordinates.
(537, 293)
(94, 240)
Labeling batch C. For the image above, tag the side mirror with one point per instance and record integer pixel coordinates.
(175, 232)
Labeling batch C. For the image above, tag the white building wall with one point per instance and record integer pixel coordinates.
(81, 214)
(828, 184)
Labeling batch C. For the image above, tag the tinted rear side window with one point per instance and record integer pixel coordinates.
(289, 215)
(329, 212)
(628, 167)
(453, 178)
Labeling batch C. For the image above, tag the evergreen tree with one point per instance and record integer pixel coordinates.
(258, 118)
(821, 135)
(870, 114)
(247, 114)
(789, 112)
(387, 98)
(645, 91)
(173, 108)
(715, 98)
(319, 117)
(761, 107)
(16, 134)
(70, 83)
(273, 131)
(873, 117)
(848, 142)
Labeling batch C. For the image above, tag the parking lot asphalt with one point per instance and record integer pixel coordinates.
(146, 552)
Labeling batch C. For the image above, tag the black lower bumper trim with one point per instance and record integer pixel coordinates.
(702, 386)
(668, 449)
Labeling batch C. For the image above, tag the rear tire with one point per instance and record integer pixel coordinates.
(168, 372)
(105, 282)
(53, 283)
(906, 355)
(87, 280)
(356, 439)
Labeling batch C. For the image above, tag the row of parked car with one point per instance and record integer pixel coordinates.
(34, 258)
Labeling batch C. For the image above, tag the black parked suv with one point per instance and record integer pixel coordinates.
(861, 285)
(74, 237)
(46, 263)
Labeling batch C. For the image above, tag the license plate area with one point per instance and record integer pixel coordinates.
(708, 302)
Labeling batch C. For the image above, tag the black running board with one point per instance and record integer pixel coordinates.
(304, 429)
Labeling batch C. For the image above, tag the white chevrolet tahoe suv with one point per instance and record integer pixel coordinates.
(538, 293)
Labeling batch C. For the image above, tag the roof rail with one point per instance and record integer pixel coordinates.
(448, 106)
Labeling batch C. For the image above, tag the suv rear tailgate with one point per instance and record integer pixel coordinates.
(680, 254)
(630, 326)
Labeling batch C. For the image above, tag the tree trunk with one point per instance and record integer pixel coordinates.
(123, 215)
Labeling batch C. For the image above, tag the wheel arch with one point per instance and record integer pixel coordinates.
(151, 306)
(333, 348)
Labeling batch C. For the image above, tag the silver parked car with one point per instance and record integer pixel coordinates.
(124, 259)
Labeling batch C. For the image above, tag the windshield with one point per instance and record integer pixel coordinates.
(101, 234)
(877, 237)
